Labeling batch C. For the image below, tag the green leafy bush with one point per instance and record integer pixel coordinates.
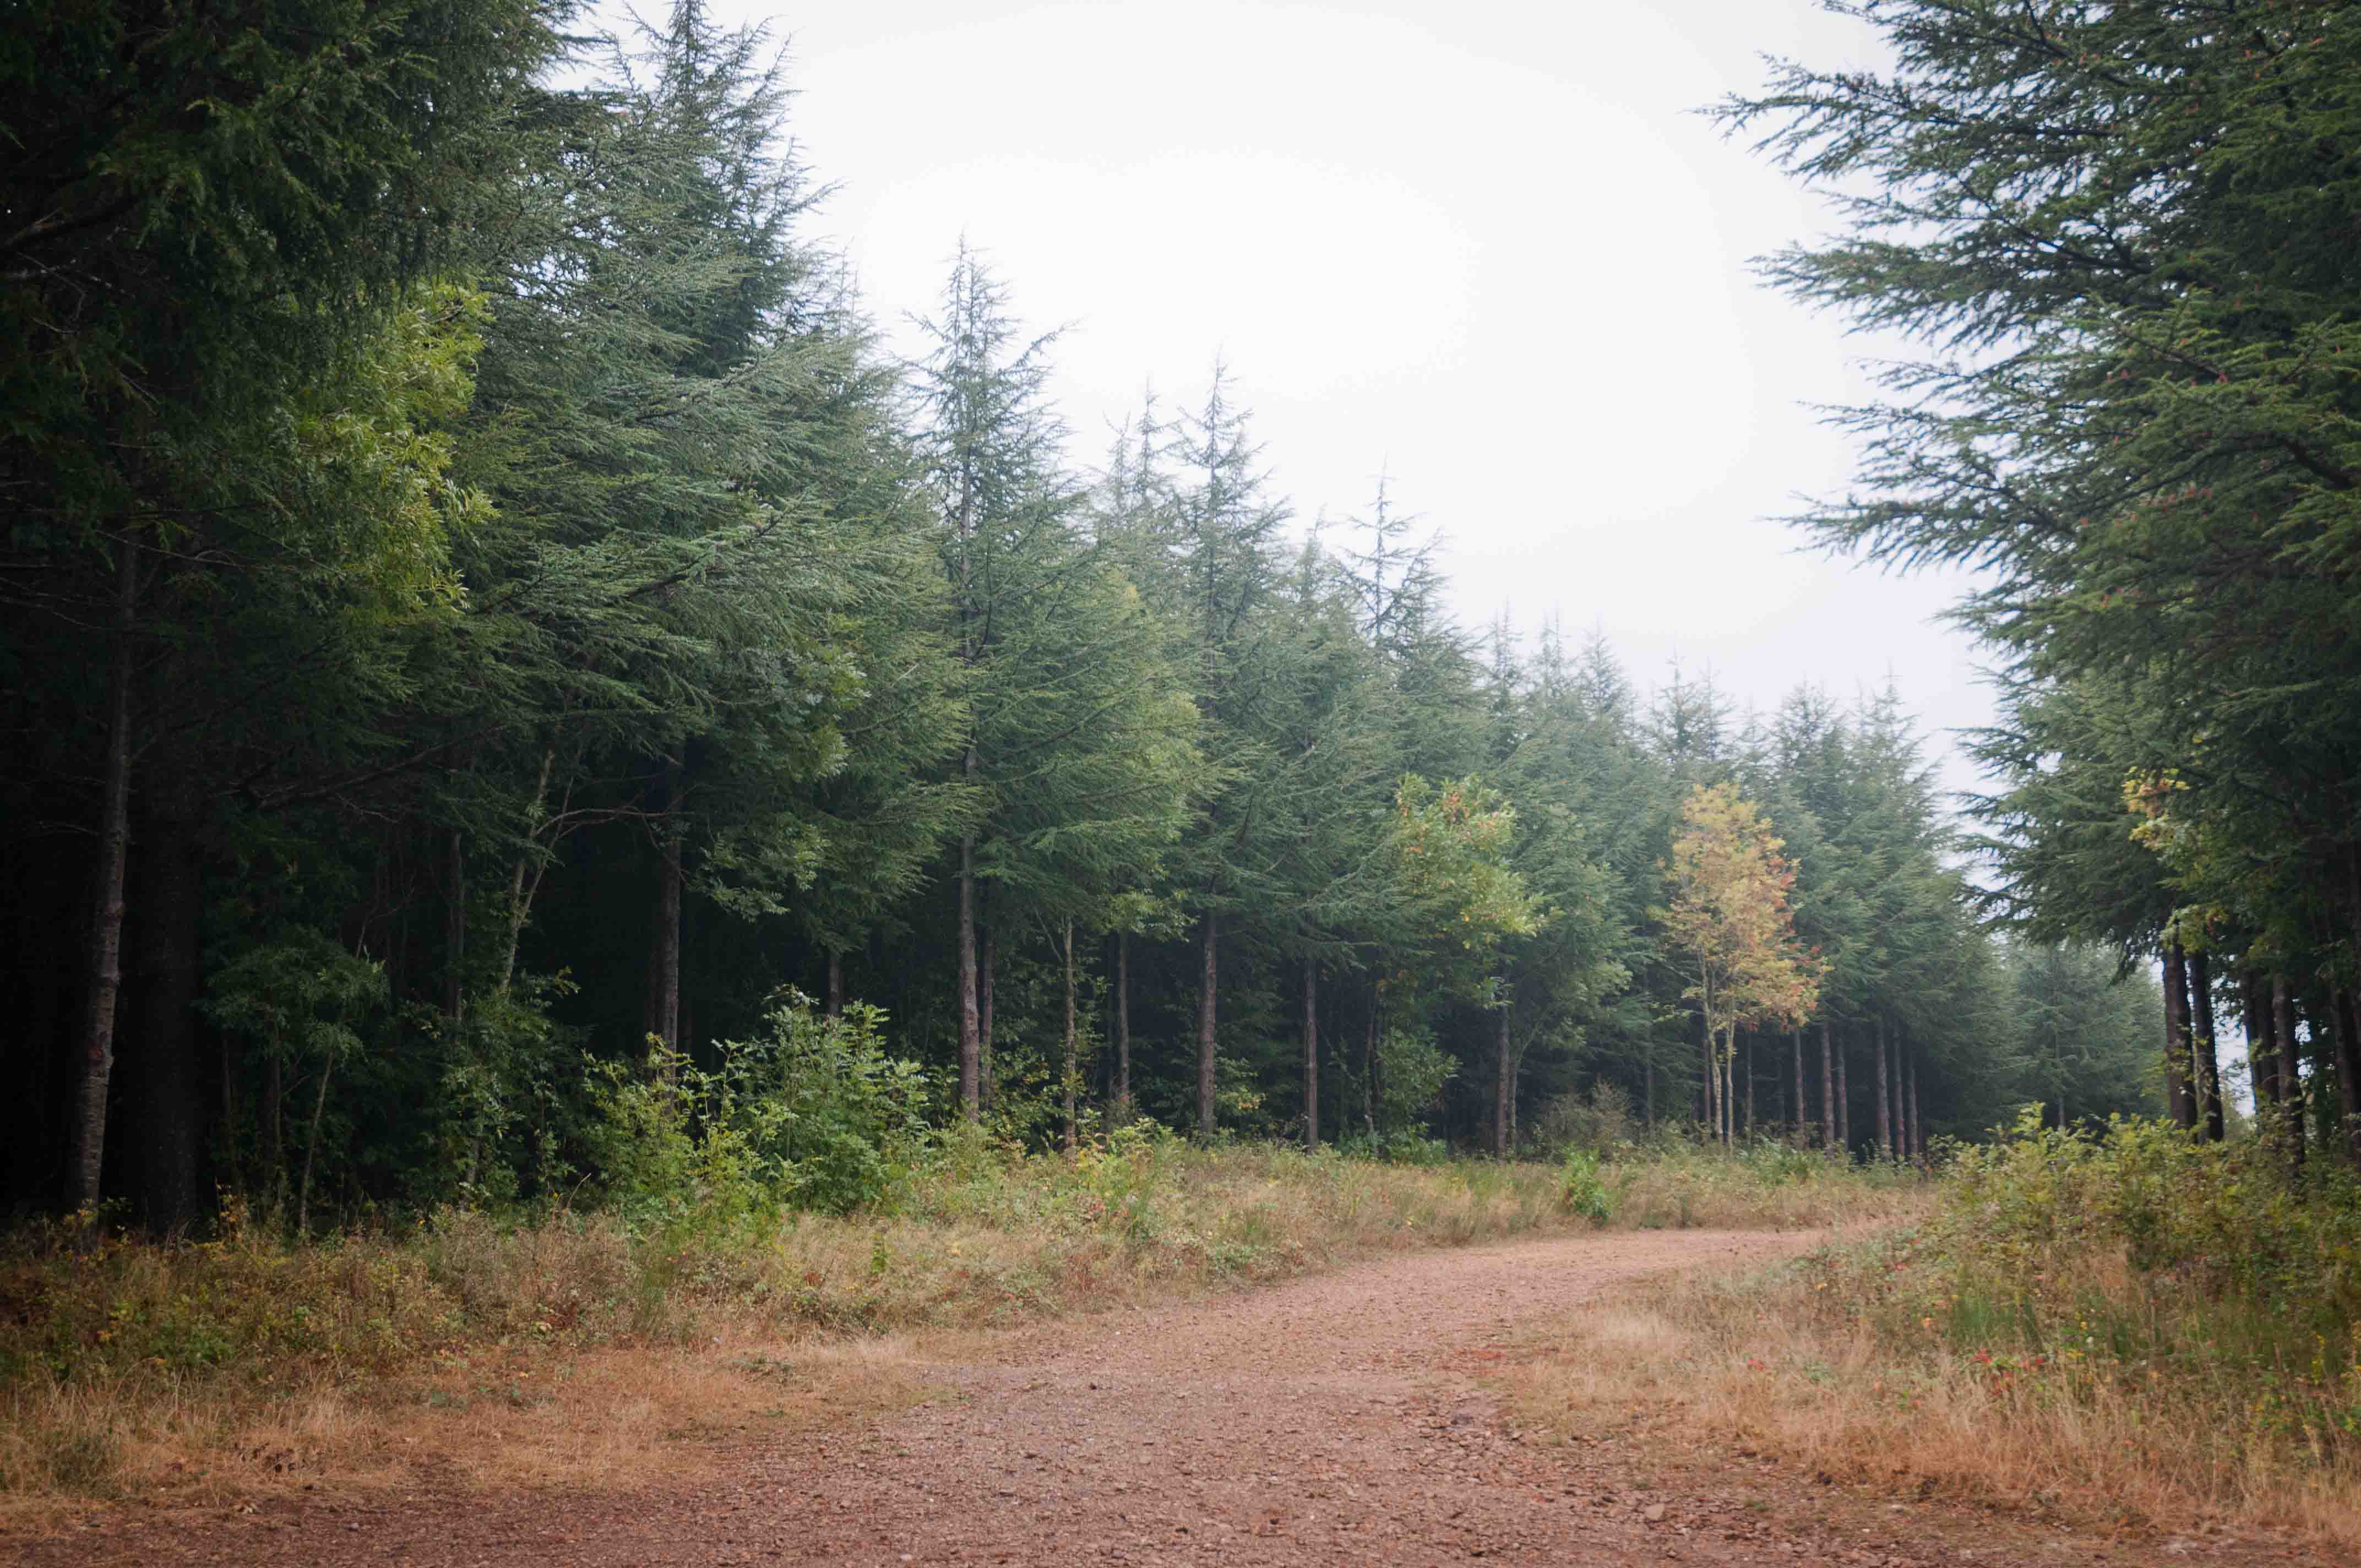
(1581, 1190)
(814, 1114)
(2140, 1262)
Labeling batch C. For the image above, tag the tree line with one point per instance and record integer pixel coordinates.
(2122, 236)
(487, 615)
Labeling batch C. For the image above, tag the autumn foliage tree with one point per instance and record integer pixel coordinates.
(1729, 916)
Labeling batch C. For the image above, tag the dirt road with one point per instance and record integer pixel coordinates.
(1335, 1419)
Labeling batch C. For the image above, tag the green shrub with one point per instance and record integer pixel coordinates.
(814, 1114)
(1582, 1192)
(2148, 1259)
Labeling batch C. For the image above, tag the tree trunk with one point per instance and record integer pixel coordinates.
(1750, 1085)
(1310, 1055)
(1709, 1085)
(983, 1039)
(274, 1128)
(1207, 996)
(1648, 1086)
(1123, 1024)
(234, 1171)
(667, 943)
(1503, 1092)
(2204, 1060)
(524, 879)
(2178, 1093)
(1844, 1104)
(1828, 1087)
(455, 929)
(105, 955)
(166, 1095)
(1800, 1118)
(2287, 1099)
(312, 1150)
(1884, 1097)
(1917, 1126)
(2262, 1050)
(1901, 1096)
(835, 984)
(1073, 1064)
(970, 1027)
(2346, 1038)
(1369, 1069)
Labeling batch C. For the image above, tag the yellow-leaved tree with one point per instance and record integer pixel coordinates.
(1729, 913)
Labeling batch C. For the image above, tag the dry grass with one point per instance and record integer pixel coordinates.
(476, 1351)
(1801, 1361)
(1765, 1186)
(613, 1416)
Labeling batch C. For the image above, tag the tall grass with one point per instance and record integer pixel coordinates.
(2137, 1328)
(131, 1349)
(133, 1367)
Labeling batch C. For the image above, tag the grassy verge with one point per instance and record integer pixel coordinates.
(553, 1349)
(2137, 1333)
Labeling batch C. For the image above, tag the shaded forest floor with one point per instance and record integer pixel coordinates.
(1381, 1412)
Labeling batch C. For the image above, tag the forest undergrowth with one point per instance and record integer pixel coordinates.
(2139, 1332)
(559, 1346)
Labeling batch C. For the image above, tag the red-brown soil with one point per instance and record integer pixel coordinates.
(1343, 1418)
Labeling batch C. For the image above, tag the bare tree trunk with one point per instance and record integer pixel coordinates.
(1885, 1096)
(455, 929)
(1073, 1065)
(525, 879)
(835, 984)
(104, 963)
(2179, 1092)
(162, 1092)
(1751, 1122)
(1369, 1068)
(1828, 1088)
(1310, 1055)
(1844, 1104)
(1709, 1085)
(2262, 1050)
(1207, 996)
(2287, 1097)
(1123, 1022)
(1504, 1092)
(1917, 1126)
(2204, 1060)
(274, 1127)
(2346, 1038)
(1648, 1088)
(1901, 1097)
(311, 1149)
(1801, 1117)
(970, 1027)
(667, 944)
(991, 967)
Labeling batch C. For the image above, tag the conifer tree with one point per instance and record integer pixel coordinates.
(1081, 747)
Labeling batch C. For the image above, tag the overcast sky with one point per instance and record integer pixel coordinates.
(1484, 248)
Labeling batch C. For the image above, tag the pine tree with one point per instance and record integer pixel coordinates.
(218, 225)
(2110, 224)
(1080, 748)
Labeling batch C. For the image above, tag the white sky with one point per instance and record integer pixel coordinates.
(1486, 247)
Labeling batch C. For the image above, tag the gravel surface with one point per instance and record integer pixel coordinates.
(1335, 1419)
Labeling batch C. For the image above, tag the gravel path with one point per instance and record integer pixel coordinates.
(1334, 1420)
